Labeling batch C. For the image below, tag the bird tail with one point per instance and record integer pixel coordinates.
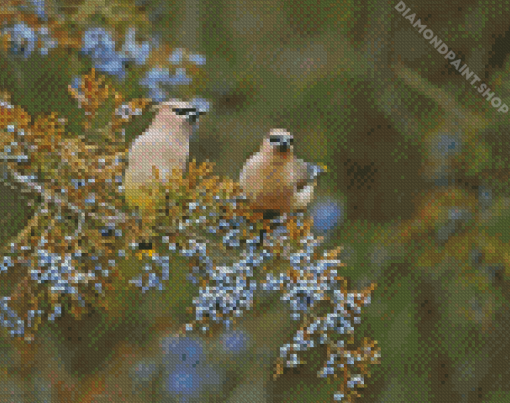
(304, 196)
(314, 171)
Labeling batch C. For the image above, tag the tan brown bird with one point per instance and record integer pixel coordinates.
(275, 180)
(164, 145)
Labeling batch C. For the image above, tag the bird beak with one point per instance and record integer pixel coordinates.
(193, 118)
(284, 145)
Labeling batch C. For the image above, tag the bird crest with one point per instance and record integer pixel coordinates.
(183, 109)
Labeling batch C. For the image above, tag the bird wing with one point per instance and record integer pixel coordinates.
(306, 173)
(303, 197)
(248, 171)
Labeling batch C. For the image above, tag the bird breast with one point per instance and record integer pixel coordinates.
(269, 185)
(160, 148)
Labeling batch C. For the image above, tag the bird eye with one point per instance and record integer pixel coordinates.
(291, 141)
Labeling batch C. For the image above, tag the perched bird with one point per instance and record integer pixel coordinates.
(275, 180)
(164, 145)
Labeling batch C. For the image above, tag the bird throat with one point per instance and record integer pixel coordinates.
(281, 157)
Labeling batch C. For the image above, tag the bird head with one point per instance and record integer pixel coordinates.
(280, 140)
(185, 110)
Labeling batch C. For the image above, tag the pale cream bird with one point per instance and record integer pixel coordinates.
(275, 180)
(164, 145)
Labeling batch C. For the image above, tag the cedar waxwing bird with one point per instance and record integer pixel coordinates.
(164, 145)
(275, 180)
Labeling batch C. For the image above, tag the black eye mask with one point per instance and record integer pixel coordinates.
(184, 111)
(281, 140)
(190, 113)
